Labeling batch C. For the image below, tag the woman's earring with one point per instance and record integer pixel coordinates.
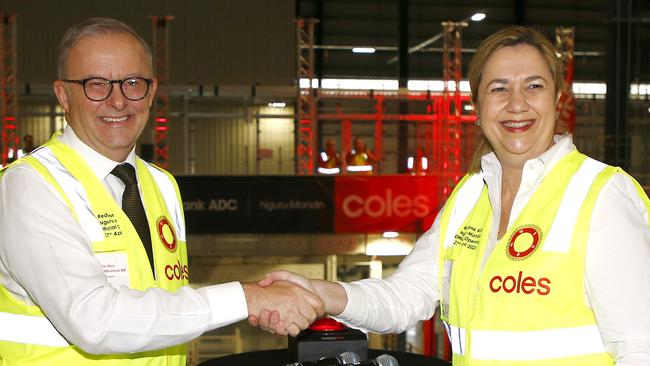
(557, 115)
(477, 122)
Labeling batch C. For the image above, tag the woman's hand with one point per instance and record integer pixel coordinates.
(271, 321)
(333, 295)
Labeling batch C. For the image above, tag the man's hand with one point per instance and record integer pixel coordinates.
(292, 277)
(333, 295)
(288, 307)
(270, 320)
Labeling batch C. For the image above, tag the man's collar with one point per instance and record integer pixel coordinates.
(100, 165)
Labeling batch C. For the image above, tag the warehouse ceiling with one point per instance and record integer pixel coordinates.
(376, 23)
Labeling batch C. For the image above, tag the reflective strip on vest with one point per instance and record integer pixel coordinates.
(359, 168)
(329, 170)
(536, 345)
(168, 191)
(470, 191)
(456, 338)
(30, 330)
(75, 193)
(559, 237)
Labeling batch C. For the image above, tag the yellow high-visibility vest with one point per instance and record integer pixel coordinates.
(26, 336)
(360, 163)
(527, 305)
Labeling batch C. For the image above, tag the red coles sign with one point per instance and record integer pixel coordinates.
(384, 203)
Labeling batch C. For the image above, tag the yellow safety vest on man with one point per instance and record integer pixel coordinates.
(30, 339)
(359, 162)
(329, 164)
(527, 305)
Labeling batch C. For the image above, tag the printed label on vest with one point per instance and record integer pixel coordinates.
(178, 271)
(520, 285)
(109, 224)
(116, 268)
(468, 237)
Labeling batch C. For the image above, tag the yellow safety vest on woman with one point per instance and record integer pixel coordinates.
(527, 305)
(30, 339)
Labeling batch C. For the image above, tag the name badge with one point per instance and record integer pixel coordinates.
(116, 268)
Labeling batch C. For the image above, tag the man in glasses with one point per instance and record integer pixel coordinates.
(93, 259)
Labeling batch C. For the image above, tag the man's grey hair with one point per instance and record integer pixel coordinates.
(95, 27)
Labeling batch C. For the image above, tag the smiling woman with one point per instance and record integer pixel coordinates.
(507, 40)
(516, 102)
(536, 228)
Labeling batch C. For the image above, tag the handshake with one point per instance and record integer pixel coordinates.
(286, 303)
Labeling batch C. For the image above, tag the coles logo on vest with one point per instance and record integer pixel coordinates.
(523, 242)
(526, 285)
(178, 271)
(382, 203)
(521, 245)
(166, 233)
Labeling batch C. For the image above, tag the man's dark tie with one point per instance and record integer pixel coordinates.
(132, 205)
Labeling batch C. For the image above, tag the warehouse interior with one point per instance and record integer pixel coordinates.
(251, 91)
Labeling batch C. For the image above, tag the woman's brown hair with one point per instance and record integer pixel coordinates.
(509, 37)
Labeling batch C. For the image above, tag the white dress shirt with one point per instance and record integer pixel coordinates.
(617, 267)
(46, 259)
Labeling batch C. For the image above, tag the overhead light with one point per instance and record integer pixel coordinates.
(589, 88)
(579, 88)
(390, 234)
(477, 17)
(277, 104)
(357, 84)
(363, 50)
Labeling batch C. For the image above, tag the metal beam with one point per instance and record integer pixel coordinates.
(619, 58)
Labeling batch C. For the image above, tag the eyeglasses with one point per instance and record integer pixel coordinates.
(98, 89)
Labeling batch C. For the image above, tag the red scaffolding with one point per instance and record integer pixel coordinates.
(424, 136)
(380, 102)
(8, 89)
(306, 115)
(161, 104)
(438, 131)
(447, 158)
(566, 107)
(379, 132)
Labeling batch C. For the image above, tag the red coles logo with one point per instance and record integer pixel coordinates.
(166, 233)
(177, 271)
(388, 205)
(523, 242)
(527, 285)
(382, 203)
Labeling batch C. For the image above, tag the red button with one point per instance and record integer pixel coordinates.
(327, 325)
